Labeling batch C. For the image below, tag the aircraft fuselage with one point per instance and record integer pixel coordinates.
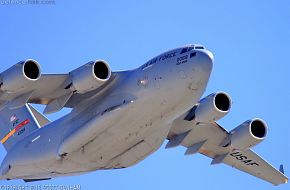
(118, 127)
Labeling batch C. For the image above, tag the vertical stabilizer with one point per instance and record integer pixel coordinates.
(15, 124)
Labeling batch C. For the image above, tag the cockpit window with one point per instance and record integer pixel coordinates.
(187, 49)
(199, 47)
(190, 48)
(183, 50)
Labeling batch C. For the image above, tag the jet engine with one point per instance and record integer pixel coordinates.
(20, 76)
(212, 108)
(248, 134)
(90, 76)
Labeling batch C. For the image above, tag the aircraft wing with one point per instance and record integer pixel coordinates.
(52, 87)
(206, 139)
(51, 90)
(48, 88)
(259, 167)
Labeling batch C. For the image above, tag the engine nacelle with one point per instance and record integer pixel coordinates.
(20, 76)
(90, 76)
(248, 134)
(212, 107)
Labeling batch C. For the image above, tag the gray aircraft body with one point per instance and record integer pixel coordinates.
(120, 118)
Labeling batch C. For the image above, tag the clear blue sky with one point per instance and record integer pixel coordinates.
(251, 44)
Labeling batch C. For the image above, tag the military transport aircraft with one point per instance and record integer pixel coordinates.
(120, 118)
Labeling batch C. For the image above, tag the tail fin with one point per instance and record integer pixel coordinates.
(15, 124)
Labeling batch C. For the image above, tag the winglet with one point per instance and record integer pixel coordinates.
(281, 169)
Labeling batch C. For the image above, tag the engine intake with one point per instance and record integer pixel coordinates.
(90, 76)
(248, 134)
(20, 76)
(258, 129)
(101, 70)
(212, 108)
(31, 70)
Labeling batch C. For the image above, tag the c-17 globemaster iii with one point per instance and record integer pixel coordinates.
(120, 118)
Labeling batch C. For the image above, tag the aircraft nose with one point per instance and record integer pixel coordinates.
(205, 60)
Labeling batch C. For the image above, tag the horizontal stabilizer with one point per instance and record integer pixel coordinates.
(41, 119)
